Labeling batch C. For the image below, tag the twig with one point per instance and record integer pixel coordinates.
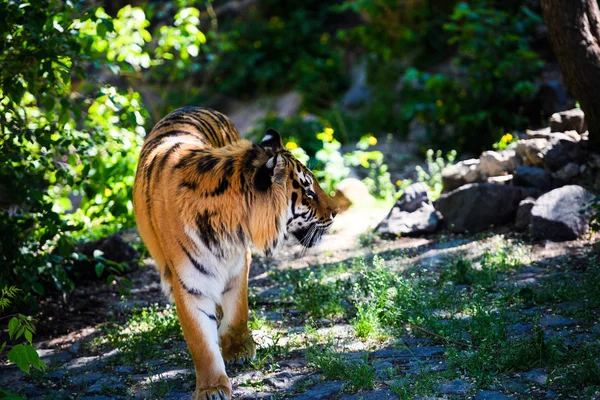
(457, 342)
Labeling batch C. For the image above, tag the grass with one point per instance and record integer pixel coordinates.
(467, 304)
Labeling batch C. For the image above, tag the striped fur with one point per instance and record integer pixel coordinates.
(202, 196)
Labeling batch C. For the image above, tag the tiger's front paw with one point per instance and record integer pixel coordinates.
(238, 348)
(220, 390)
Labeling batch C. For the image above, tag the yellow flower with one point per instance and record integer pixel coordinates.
(439, 103)
(372, 140)
(328, 135)
(399, 182)
(107, 192)
(507, 138)
(291, 146)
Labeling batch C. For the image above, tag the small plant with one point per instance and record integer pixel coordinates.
(359, 374)
(23, 355)
(436, 162)
(507, 140)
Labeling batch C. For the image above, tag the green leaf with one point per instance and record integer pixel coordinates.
(25, 356)
(99, 269)
(28, 336)
(13, 326)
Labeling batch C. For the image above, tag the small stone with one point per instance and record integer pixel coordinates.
(551, 394)
(563, 151)
(456, 386)
(105, 383)
(459, 174)
(51, 356)
(84, 364)
(321, 390)
(537, 376)
(556, 321)
(283, 380)
(74, 348)
(86, 379)
(371, 395)
(519, 330)
(384, 369)
(567, 120)
(566, 173)
(124, 369)
(530, 151)
(351, 191)
(532, 177)
(496, 163)
(491, 395)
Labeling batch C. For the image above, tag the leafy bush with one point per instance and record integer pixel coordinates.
(67, 166)
(23, 355)
(496, 71)
(279, 45)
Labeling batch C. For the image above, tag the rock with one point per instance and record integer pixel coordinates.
(110, 382)
(543, 133)
(371, 395)
(496, 163)
(561, 214)
(459, 174)
(475, 207)
(530, 151)
(523, 219)
(537, 376)
(283, 380)
(413, 213)
(457, 386)
(175, 394)
(563, 151)
(491, 395)
(532, 177)
(321, 390)
(501, 180)
(51, 356)
(112, 248)
(352, 191)
(518, 330)
(125, 369)
(556, 321)
(384, 369)
(566, 173)
(568, 120)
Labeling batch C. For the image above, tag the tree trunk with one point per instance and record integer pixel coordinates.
(574, 31)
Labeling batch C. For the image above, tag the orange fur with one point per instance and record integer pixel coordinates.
(202, 195)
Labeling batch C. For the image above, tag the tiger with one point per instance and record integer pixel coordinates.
(202, 196)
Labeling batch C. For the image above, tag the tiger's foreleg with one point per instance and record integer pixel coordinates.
(198, 318)
(236, 339)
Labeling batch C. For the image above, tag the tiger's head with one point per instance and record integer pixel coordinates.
(310, 211)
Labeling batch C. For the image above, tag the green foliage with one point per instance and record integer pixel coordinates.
(23, 355)
(360, 375)
(436, 163)
(496, 68)
(277, 45)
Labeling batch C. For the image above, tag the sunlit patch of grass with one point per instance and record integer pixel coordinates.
(359, 374)
(148, 333)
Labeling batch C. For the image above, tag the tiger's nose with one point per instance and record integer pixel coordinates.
(334, 212)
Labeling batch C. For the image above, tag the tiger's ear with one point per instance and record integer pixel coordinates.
(271, 172)
(272, 140)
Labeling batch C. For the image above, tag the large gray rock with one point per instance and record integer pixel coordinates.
(475, 207)
(413, 213)
(568, 120)
(561, 214)
(459, 174)
(532, 177)
(495, 163)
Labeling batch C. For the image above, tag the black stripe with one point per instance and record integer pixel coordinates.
(206, 128)
(188, 185)
(189, 157)
(165, 158)
(210, 316)
(207, 163)
(192, 291)
(199, 267)
(156, 141)
(218, 138)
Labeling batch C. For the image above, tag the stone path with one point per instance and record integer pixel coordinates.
(83, 364)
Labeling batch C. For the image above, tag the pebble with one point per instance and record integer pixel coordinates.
(371, 395)
(283, 380)
(556, 321)
(491, 395)
(456, 386)
(105, 383)
(321, 390)
(537, 376)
